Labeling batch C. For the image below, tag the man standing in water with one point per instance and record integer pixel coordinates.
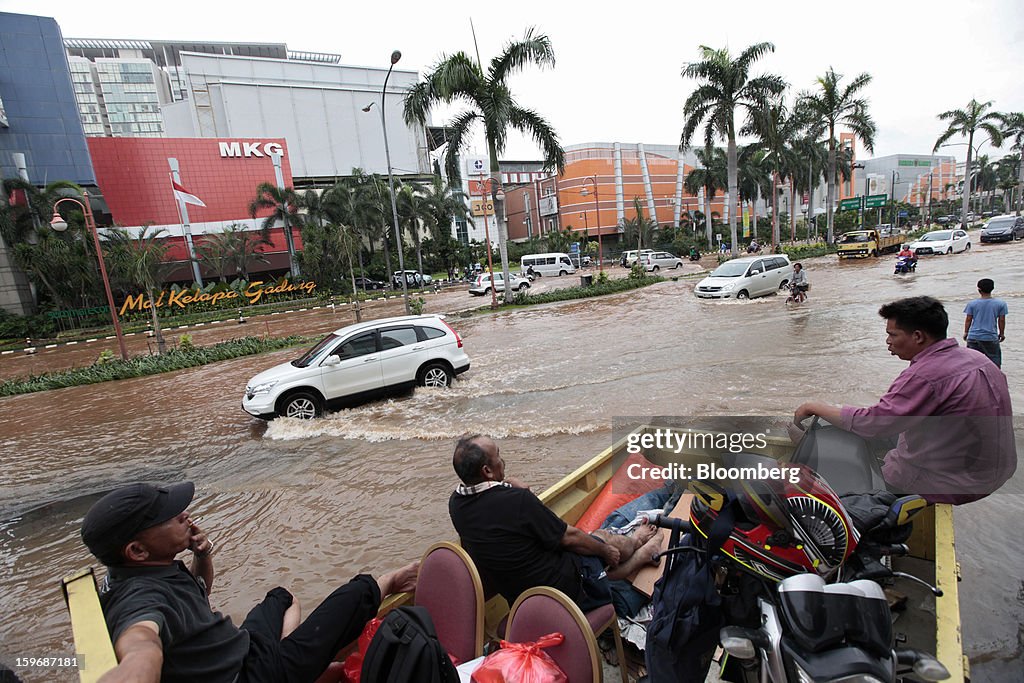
(985, 324)
(950, 408)
(158, 611)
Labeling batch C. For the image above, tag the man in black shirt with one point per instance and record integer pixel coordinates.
(158, 611)
(517, 543)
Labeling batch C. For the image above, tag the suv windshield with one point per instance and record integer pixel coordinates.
(937, 236)
(730, 269)
(316, 352)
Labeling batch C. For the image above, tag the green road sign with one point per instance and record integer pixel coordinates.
(875, 201)
(850, 204)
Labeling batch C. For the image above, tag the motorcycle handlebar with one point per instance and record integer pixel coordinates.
(663, 522)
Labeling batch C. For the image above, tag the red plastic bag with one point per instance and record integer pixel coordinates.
(354, 662)
(522, 663)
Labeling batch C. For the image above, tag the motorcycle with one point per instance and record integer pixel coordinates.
(695, 256)
(905, 265)
(798, 582)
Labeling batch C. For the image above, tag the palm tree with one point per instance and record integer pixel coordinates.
(639, 228)
(966, 122)
(413, 212)
(284, 205)
(726, 86)
(1008, 169)
(141, 262)
(1014, 131)
(231, 251)
(753, 176)
(712, 178)
(777, 130)
(985, 178)
(459, 79)
(832, 105)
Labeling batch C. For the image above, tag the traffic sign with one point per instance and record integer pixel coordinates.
(574, 248)
(850, 204)
(875, 201)
(904, 214)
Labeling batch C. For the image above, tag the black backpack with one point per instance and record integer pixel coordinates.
(405, 649)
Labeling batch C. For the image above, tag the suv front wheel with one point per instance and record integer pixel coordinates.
(435, 375)
(303, 405)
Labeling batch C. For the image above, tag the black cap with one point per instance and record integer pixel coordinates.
(115, 519)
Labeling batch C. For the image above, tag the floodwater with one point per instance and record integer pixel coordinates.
(307, 505)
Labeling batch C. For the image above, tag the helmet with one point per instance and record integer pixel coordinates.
(781, 528)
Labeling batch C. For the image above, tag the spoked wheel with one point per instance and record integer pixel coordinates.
(301, 405)
(435, 375)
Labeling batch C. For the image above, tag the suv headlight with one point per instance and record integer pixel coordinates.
(262, 388)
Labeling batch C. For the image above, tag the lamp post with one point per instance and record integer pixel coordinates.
(854, 167)
(60, 225)
(597, 205)
(395, 56)
(892, 198)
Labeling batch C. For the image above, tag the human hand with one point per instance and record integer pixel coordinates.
(1002, 337)
(399, 581)
(199, 544)
(802, 412)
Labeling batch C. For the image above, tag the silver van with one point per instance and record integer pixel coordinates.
(743, 278)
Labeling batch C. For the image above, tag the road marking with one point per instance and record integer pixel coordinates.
(110, 337)
(199, 324)
(89, 340)
(72, 343)
(51, 346)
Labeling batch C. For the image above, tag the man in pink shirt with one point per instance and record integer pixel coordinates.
(950, 408)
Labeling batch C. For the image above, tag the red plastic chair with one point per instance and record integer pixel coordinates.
(449, 586)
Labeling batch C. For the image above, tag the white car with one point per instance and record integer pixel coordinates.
(656, 260)
(747, 277)
(482, 285)
(942, 242)
(357, 362)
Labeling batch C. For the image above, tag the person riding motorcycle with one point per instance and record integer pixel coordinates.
(907, 252)
(799, 284)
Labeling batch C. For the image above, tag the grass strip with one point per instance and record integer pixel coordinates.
(141, 366)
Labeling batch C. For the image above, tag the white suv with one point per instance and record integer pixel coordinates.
(657, 260)
(747, 277)
(482, 284)
(359, 361)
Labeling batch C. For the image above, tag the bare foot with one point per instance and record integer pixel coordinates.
(643, 533)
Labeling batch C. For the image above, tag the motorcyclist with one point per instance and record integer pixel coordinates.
(799, 282)
(694, 254)
(907, 252)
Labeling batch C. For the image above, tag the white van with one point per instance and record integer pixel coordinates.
(746, 277)
(547, 264)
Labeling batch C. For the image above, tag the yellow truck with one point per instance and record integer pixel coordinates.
(864, 243)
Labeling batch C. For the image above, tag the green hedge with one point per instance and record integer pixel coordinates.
(802, 251)
(524, 298)
(105, 370)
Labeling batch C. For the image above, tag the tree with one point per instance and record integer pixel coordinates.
(443, 207)
(725, 87)
(1014, 132)
(141, 262)
(459, 79)
(712, 177)
(639, 229)
(1008, 169)
(777, 131)
(230, 252)
(965, 123)
(413, 212)
(284, 205)
(833, 105)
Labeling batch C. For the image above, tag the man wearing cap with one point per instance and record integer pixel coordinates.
(158, 611)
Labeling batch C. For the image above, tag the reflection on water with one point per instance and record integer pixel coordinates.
(310, 504)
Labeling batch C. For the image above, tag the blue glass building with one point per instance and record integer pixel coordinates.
(39, 114)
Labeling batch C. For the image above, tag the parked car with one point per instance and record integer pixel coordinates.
(413, 278)
(482, 284)
(369, 283)
(746, 277)
(357, 362)
(629, 257)
(1003, 229)
(656, 260)
(942, 242)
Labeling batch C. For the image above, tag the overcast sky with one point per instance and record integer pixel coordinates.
(617, 76)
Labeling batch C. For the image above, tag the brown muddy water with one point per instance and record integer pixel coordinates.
(308, 505)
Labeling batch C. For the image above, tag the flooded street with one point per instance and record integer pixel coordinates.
(307, 505)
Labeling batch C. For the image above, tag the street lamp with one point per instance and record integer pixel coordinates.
(395, 56)
(854, 167)
(60, 225)
(597, 205)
